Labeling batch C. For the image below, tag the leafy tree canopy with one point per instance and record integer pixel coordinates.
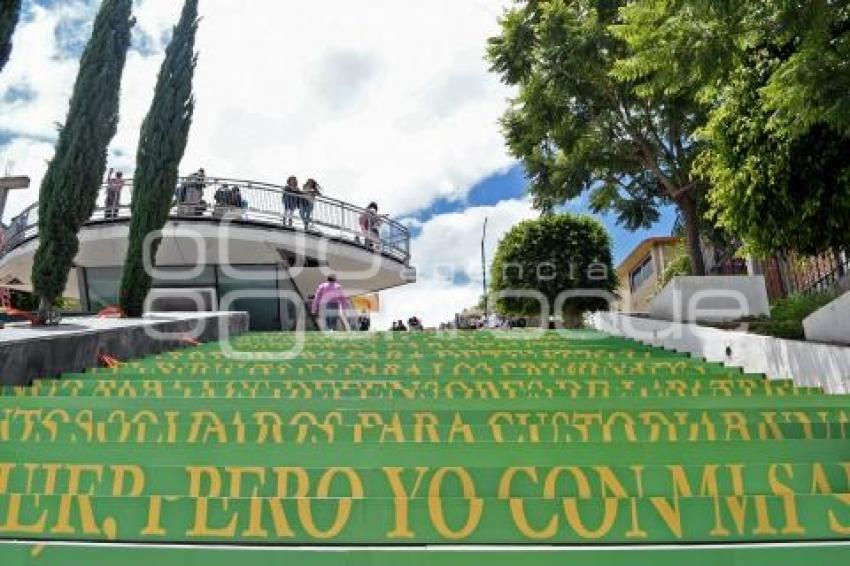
(775, 78)
(779, 188)
(72, 182)
(556, 253)
(162, 143)
(681, 46)
(10, 13)
(577, 127)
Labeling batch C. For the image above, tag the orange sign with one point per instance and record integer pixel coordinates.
(368, 303)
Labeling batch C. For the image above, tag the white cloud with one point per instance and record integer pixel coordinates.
(386, 100)
(37, 61)
(447, 246)
(383, 100)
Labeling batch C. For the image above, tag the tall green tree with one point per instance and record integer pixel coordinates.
(73, 179)
(164, 135)
(685, 45)
(779, 187)
(10, 12)
(775, 76)
(551, 255)
(577, 127)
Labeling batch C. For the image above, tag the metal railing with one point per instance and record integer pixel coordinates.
(262, 203)
(789, 274)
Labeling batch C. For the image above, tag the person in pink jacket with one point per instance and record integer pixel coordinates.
(330, 302)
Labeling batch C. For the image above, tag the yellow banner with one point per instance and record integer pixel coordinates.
(368, 303)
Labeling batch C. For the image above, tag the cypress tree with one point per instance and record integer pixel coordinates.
(10, 11)
(164, 135)
(73, 179)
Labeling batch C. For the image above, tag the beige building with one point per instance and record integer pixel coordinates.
(640, 272)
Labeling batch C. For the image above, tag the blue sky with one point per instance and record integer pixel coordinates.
(391, 102)
(512, 185)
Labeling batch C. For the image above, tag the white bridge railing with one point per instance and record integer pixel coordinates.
(263, 204)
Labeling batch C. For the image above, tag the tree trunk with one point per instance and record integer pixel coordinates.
(688, 204)
(44, 309)
(839, 263)
(789, 281)
(572, 318)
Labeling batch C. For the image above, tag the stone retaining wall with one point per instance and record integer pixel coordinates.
(808, 364)
(29, 354)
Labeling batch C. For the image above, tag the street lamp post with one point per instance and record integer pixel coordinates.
(9, 184)
(484, 272)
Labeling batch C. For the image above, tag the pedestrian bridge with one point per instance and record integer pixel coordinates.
(222, 250)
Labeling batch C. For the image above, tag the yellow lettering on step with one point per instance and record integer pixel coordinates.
(86, 515)
(834, 524)
(518, 509)
(13, 523)
(270, 425)
(345, 504)
(202, 528)
(460, 428)
(196, 476)
(5, 474)
(401, 500)
(137, 480)
(154, 527)
(435, 504)
(789, 498)
(425, 423)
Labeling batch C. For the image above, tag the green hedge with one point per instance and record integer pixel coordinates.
(786, 315)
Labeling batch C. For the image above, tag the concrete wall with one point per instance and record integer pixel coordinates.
(831, 324)
(27, 354)
(809, 365)
(711, 299)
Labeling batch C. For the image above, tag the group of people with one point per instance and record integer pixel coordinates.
(481, 322)
(413, 325)
(227, 196)
(190, 194)
(189, 197)
(302, 199)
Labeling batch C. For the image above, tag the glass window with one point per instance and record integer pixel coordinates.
(642, 273)
(103, 285)
(264, 309)
(166, 279)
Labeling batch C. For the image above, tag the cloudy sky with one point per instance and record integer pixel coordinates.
(385, 100)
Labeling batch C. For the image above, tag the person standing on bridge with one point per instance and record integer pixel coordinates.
(370, 225)
(114, 186)
(330, 303)
(291, 200)
(308, 201)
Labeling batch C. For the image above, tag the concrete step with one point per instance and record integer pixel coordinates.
(414, 388)
(63, 554)
(638, 480)
(575, 438)
(432, 520)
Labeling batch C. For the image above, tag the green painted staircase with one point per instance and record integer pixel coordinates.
(398, 441)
